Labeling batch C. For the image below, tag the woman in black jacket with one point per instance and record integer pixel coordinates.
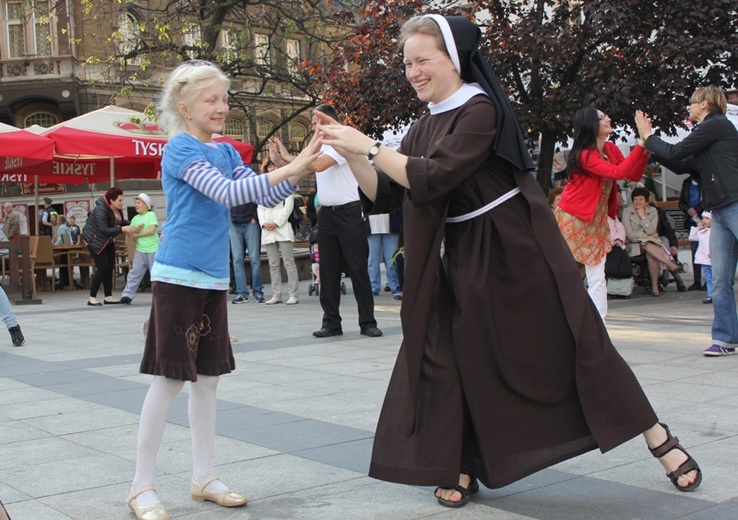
(105, 222)
(710, 153)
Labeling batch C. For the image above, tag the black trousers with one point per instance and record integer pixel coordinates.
(342, 235)
(104, 266)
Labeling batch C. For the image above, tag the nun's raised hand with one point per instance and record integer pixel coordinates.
(344, 139)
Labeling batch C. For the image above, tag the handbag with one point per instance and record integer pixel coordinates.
(617, 264)
(297, 215)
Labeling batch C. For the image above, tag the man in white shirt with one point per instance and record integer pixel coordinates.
(342, 238)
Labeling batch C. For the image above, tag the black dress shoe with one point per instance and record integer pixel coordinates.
(98, 304)
(372, 332)
(694, 287)
(326, 332)
(125, 300)
(113, 302)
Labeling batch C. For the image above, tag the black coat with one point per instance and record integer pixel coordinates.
(711, 151)
(102, 226)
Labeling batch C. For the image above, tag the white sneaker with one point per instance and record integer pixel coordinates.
(292, 301)
(274, 300)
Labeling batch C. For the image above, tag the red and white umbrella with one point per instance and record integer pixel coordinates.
(19, 149)
(132, 143)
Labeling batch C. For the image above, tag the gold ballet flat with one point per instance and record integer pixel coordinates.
(155, 512)
(226, 498)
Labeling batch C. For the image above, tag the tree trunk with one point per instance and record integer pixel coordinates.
(545, 160)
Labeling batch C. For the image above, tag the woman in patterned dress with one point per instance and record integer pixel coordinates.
(590, 196)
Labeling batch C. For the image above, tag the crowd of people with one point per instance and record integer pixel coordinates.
(484, 257)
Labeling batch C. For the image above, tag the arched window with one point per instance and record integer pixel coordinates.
(44, 119)
(263, 127)
(234, 128)
(128, 35)
(298, 133)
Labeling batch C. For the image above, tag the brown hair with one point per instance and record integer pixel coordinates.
(715, 98)
(112, 194)
(266, 163)
(555, 192)
(640, 191)
(421, 25)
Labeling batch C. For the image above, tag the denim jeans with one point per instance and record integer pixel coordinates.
(6, 311)
(707, 269)
(250, 234)
(383, 245)
(724, 256)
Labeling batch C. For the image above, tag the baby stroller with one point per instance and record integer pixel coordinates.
(315, 266)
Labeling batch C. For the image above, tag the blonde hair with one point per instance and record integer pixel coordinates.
(183, 85)
(715, 98)
(421, 25)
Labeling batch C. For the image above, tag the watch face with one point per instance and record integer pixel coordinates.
(374, 150)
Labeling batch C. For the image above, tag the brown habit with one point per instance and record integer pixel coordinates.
(504, 354)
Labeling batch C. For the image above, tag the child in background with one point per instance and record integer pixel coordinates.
(147, 242)
(702, 256)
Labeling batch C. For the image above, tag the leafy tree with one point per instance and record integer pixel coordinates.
(553, 57)
(253, 41)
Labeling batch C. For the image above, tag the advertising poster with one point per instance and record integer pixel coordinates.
(77, 209)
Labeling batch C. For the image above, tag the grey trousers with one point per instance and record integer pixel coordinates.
(275, 270)
(142, 262)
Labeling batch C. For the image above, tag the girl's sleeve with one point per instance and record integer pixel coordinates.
(247, 187)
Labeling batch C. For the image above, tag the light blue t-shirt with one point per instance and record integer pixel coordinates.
(195, 234)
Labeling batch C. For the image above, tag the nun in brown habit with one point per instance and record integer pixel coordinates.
(505, 367)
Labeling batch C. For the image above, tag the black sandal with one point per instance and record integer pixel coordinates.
(465, 493)
(672, 443)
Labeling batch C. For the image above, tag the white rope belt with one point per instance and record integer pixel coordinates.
(484, 209)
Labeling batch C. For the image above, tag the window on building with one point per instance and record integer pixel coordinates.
(298, 133)
(292, 48)
(263, 127)
(44, 119)
(128, 36)
(261, 49)
(29, 28)
(234, 128)
(193, 38)
(226, 45)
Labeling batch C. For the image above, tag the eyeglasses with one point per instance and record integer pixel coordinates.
(603, 117)
(692, 101)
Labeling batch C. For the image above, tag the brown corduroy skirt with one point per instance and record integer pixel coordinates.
(187, 334)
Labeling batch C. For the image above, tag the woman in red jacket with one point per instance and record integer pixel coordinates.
(595, 164)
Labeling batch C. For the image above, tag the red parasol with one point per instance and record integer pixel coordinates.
(19, 149)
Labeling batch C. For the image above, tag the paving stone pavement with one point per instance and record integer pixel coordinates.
(296, 419)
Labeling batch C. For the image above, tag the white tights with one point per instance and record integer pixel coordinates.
(201, 412)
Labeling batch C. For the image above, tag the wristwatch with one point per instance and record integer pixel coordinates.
(374, 150)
